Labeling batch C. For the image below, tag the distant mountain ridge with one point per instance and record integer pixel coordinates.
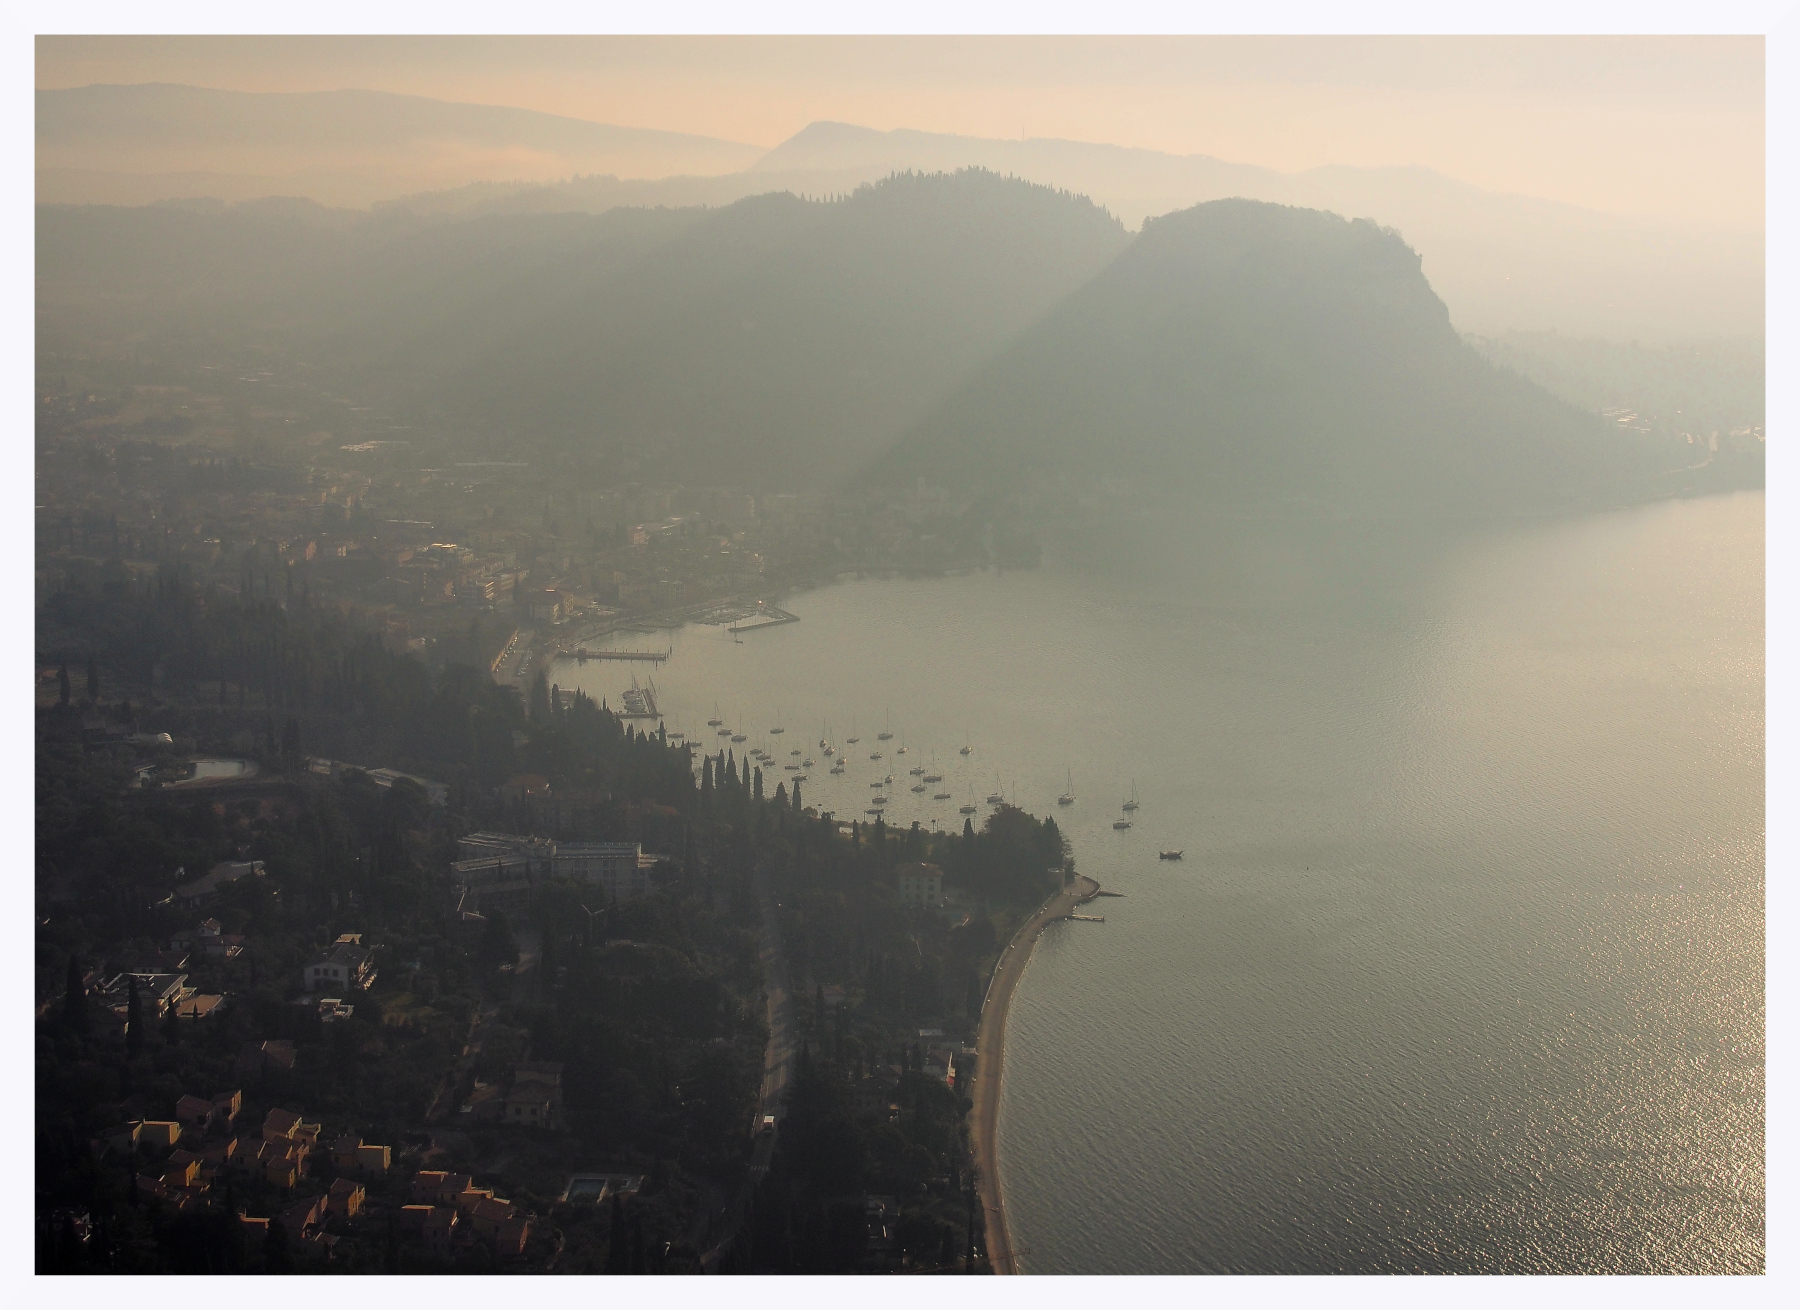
(139, 144)
(1502, 263)
(1499, 261)
(776, 343)
(1255, 353)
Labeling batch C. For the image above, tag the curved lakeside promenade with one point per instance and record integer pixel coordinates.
(990, 1050)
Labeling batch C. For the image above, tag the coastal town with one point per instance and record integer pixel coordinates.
(358, 953)
(505, 562)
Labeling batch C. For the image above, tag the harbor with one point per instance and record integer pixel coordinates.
(765, 616)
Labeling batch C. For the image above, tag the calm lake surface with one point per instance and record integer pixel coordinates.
(1462, 970)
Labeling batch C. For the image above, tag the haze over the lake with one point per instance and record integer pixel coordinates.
(899, 655)
(1665, 128)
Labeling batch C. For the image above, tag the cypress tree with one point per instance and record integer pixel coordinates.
(796, 795)
(781, 793)
(75, 1015)
(276, 1259)
(134, 1027)
(756, 789)
(638, 1263)
(617, 1243)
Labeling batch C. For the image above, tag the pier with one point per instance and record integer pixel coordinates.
(767, 616)
(581, 655)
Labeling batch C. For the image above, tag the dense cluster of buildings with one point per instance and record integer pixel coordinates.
(323, 1187)
(424, 550)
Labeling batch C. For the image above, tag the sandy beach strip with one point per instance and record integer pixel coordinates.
(990, 1049)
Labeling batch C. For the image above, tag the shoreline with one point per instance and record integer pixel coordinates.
(990, 1048)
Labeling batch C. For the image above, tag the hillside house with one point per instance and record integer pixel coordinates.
(920, 885)
(345, 1198)
(535, 1100)
(351, 1155)
(196, 1115)
(347, 965)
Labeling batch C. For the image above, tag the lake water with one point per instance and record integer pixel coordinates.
(1462, 970)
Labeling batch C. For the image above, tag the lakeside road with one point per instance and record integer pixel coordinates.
(990, 1052)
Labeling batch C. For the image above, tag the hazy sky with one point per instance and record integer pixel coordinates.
(1664, 127)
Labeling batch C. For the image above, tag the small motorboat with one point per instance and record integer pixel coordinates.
(793, 752)
(941, 796)
(917, 770)
(738, 736)
(1119, 825)
(874, 755)
(1168, 855)
(918, 786)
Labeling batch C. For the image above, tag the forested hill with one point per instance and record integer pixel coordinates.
(778, 342)
(1258, 353)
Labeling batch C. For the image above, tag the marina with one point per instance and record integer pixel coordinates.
(639, 702)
